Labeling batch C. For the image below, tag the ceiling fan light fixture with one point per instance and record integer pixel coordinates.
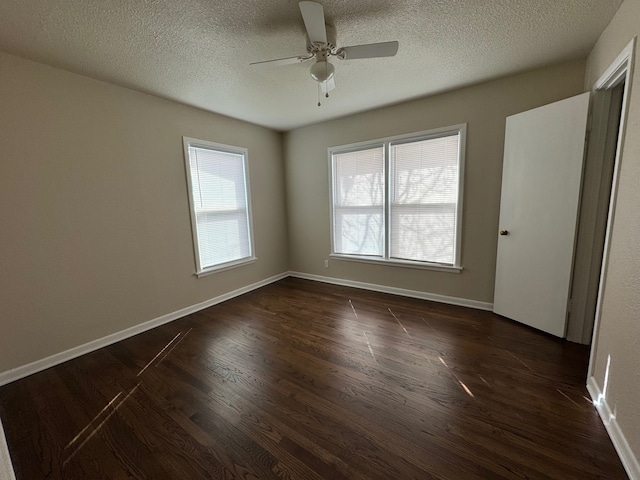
(322, 70)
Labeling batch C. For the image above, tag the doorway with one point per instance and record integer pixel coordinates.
(598, 173)
(609, 112)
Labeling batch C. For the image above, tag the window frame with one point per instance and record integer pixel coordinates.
(188, 142)
(387, 142)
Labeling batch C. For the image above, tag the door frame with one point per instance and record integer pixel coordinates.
(621, 70)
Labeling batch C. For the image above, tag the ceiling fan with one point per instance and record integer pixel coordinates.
(321, 45)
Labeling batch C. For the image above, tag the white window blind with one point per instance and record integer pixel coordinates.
(219, 203)
(358, 202)
(399, 199)
(424, 194)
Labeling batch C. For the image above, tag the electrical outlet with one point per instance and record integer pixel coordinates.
(326, 264)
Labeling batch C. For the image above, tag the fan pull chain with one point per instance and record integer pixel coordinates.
(326, 78)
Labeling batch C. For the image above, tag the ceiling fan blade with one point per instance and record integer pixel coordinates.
(313, 16)
(279, 62)
(371, 50)
(328, 85)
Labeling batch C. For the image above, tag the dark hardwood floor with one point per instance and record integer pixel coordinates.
(304, 380)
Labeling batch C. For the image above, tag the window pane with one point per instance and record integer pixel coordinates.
(424, 193)
(218, 180)
(358, 202)
(220, 205)
(424, 236)
(359, 233)
(220, 237)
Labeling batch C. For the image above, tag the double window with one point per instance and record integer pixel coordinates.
(220, 208)
(400, 199)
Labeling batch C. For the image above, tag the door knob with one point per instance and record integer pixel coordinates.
(504, 232)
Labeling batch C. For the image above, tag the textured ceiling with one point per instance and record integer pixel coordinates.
(198, 51)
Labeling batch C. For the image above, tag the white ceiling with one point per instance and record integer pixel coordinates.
(198, 51)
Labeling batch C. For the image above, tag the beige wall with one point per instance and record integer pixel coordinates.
(618, 336)
(95, 230)
(484, 108)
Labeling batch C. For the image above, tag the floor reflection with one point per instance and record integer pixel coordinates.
(111, 408)
(399, 323)
(369, 345)
(179, 337)
(96, 424)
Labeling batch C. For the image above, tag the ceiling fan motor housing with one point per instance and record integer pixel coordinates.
(330, 46)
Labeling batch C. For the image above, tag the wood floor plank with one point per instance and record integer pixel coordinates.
(304, 380)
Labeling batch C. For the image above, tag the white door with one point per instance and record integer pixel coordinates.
(541, 180)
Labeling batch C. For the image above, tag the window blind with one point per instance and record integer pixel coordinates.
(358, 202)
(220, 205)
(424, 194)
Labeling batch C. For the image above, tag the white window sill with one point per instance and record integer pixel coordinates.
(398, 263)
(225, 266)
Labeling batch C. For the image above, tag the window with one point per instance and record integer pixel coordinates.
(220, 208)
(400, 199)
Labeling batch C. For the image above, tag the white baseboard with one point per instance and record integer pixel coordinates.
(463, 302)
(628, 459)
(39, 365)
